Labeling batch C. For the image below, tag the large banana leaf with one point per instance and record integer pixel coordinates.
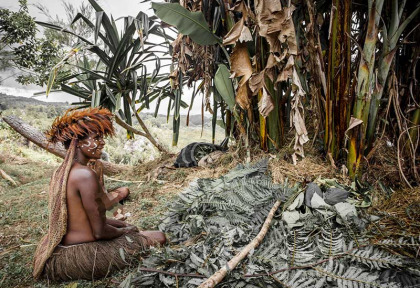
(224, 86)
(188, 23)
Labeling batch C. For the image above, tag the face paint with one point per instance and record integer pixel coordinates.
(86, 145)
(92, 145)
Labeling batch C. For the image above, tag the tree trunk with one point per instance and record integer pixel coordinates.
(318, 87)
(338, 82)
(217, 277)
(37, 137)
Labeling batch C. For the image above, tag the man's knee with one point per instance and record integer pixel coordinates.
(123, 192)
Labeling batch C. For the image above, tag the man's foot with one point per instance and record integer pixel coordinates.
(154, 237)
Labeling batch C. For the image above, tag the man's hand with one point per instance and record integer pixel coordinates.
(131, 228)
(117, 223)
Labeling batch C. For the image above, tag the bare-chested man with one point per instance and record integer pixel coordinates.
(81, 242)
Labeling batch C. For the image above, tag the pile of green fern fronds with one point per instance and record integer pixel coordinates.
(215, 218)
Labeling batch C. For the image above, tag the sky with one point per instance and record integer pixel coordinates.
(117, 8)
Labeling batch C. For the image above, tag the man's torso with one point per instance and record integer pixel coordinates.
(79, 229)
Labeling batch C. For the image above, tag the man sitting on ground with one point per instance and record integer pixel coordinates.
(81, 242)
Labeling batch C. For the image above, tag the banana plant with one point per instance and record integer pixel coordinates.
(373, 74)
(222, 29)
(391, 33)
(342, 49)
(116, 74)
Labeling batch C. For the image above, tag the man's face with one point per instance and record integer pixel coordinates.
(92, 145)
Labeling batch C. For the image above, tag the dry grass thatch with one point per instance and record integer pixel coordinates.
(306, 170)
(400, 217)
(382, 165)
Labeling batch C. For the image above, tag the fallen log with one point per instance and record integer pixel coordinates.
(217, 277)
(37, 137)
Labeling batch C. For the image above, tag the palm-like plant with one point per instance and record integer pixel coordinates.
(116, 73)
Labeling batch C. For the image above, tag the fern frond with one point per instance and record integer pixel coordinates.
(301, 251)
(375, 258)
(402, 242)
(301, 279)
(352, 277)
(331, 241)
(224, 205)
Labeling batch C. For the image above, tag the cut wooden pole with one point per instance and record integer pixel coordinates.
(7, 177)
(217, 277)
(37, 137)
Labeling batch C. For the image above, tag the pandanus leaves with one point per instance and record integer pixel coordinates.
(118, 65)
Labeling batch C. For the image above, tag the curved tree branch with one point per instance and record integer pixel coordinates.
(128, 127)
(37, 137)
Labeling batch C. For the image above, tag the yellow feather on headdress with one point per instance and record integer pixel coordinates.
(79, 123)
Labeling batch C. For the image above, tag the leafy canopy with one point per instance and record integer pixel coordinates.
(21, 49)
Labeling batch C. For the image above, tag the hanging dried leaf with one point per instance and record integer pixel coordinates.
(270, 73)
(266, 105)
(280, 57)
(240, 6)
(173, 77)
(287, 71)
(353, 123)
(287, 32)
(276, 25)
(266, 15)
(246, 35)
(242, 97)
(297, 116)
(239, 31)
(234, 33)
(271, 61)
(256, 82)
(240, 63)
(187, 54)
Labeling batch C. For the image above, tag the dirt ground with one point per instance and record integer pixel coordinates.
(24, 215)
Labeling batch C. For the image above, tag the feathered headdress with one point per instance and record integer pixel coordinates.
(79, 123)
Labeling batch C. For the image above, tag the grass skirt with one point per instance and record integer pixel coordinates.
(94, 260)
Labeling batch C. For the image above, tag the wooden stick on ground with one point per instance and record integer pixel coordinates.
(7, 177)
(217, 277)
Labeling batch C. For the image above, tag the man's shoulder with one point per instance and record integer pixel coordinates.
(81, 172)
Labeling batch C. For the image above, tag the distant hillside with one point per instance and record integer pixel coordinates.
(13, 102)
